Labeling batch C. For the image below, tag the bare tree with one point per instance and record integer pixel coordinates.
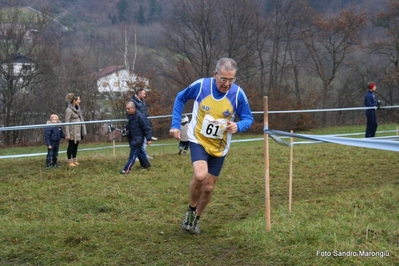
(243, 34)
(286, 51)
(388, 49)
(124, 46)
(198, 33)
(328, 40)
(27, 50)
(193, 31)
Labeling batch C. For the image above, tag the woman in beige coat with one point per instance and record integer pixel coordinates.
(73, 133)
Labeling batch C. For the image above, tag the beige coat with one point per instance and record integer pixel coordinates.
(183, 133)
(74, 131)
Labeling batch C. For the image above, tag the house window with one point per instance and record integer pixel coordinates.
(116, 84)
(26, 67)
(105, 84)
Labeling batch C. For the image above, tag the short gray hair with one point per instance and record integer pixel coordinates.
(227, 64)
(130, 104)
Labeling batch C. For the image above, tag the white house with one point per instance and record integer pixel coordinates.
(118, 79)
(21, 66)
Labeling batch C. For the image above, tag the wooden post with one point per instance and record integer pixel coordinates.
(290, 185)
(113, 144)
(267, 177)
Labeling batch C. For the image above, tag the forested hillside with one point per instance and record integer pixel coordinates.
(302, 54)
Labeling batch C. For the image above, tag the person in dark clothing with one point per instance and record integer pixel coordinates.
(138, 100)
(135, 130)
(52, 137)
(184, 143)
(371, 101)
(141, 106)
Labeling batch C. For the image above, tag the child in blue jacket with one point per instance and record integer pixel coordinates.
(52, 137)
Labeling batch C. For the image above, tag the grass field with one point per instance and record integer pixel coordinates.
(345, 208)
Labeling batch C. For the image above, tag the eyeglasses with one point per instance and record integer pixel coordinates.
(224, 80)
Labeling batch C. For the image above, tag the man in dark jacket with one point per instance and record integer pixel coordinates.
(141, 106)
(136, 130)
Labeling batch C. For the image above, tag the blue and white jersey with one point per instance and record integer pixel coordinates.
(211, 111)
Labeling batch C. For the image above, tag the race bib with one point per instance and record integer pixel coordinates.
(212, 128)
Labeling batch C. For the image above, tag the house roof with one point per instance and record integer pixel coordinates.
(21, 59)
(18, 59)
(109, 70)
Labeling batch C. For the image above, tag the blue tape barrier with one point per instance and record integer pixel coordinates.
(373, 143)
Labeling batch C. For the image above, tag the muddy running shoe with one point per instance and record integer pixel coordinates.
(188, 221)
(195, 229)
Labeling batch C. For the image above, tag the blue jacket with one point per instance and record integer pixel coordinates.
(141, 106)
(53, 134)
(370, 101)
(138, 129)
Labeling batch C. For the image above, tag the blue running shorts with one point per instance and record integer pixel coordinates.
(214, 163)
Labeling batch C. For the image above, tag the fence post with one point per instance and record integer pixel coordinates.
(267, 172)
(291, 167)
(113, 144)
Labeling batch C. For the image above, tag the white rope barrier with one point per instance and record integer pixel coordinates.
(13, 156)
(172, 144)
(84, 149)
(326, 110)
(108, 121)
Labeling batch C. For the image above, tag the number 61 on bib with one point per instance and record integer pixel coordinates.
(212, 128)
